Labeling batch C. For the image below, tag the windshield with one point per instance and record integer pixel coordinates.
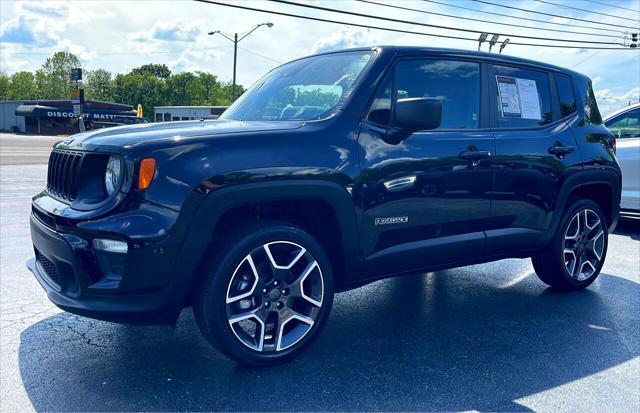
(305, 89)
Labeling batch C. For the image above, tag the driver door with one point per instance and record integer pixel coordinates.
(426, 200)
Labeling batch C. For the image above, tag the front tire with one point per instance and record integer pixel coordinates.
(267, 295)
(575, 256)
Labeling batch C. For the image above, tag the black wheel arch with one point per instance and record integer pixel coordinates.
(603, 185)
(213, 207)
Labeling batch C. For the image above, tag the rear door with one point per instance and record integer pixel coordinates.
(426, 199)
(535, 152)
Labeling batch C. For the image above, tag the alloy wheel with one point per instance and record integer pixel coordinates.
(274, 296)
(583, 244)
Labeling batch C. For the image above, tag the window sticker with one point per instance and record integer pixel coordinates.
(519, 97)
(509, 97)
(529, 99)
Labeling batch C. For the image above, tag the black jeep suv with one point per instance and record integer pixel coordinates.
(331, 172)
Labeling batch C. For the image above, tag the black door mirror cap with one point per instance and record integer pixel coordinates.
(414, 114)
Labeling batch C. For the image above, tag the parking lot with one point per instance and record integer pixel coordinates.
(485, 337)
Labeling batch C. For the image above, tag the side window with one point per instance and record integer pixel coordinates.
(455, 83)
(522, 98)
(565, 95)
(591, 111)
(629, 122)
(380, 111)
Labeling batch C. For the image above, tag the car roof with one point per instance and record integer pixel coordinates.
(493, 57)
(623, 110)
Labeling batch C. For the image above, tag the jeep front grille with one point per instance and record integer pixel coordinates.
(62, 176)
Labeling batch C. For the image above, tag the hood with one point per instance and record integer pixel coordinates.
(124, 137)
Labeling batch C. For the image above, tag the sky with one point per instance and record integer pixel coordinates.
(121, 35)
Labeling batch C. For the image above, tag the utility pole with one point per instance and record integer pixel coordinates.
(235, 64)
(235, 40)
(77, 97)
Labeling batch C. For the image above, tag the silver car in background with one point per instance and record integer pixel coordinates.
(625, 125)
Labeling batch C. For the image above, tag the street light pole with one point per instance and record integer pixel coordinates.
(235, 40)
(235, 64)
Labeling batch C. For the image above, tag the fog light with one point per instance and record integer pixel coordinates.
(110, 245)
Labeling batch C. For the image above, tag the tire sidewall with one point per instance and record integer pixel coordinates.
(212, 300)
(558, 242)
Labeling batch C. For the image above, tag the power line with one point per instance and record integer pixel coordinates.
(612, 5)
(585, 10)
(436, 26)
(553, 15)
(126, 53)
(367, 26)
(260, 55)
(589, 56)
(481, 20)
(527, 19)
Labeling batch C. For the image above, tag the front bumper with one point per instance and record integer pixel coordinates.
(72, 275)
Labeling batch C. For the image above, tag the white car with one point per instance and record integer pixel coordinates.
(625, 125)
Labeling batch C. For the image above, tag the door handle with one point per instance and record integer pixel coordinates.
(474, 155)
(561, 151)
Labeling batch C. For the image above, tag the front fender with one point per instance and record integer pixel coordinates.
(213, 206)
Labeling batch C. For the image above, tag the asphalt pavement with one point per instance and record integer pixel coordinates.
(484, 337)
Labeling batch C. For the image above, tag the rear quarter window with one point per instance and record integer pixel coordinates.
(591, 107)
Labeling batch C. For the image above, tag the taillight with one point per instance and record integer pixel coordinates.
(612, 143)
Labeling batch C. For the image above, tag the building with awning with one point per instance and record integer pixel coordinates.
(55, 117)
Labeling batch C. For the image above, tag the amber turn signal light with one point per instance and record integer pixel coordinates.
(147, 171)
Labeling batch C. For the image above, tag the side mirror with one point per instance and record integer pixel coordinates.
(415, 114)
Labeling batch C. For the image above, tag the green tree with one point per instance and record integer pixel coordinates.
(226, 89)
(145, 89)
(23, 86)
(210, 91)
(182, 88)
(4, 86)
(99, 85)
(53, 78)
(161, 71)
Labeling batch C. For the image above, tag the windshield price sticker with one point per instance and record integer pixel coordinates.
(519, 97)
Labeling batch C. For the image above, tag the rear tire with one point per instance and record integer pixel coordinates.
(266, 295)
(575, 256)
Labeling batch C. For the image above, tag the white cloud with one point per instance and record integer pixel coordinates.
(609, 101)
(344, 38)
(180, 30)
(9, 64)
(26, 31)
(560, 20)
(44, 8)
(118, 36)
(44, 25)
(193, 60)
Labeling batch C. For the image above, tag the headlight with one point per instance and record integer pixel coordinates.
(112, 175)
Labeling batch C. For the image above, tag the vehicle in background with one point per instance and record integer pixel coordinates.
(625, 125)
